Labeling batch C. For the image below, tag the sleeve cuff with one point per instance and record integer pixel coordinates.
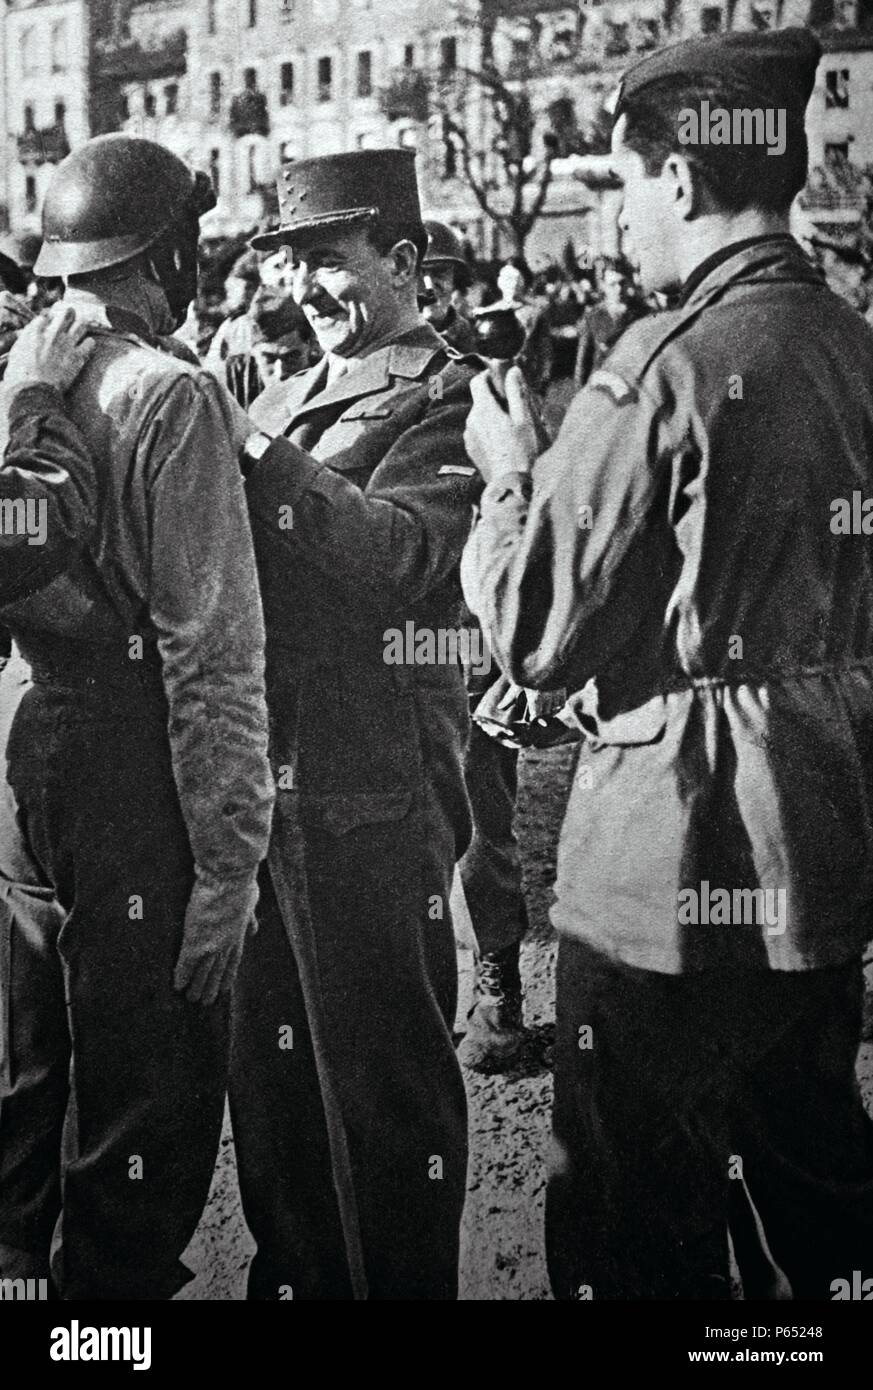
(33, 398)
(505, 485)
(283, 473)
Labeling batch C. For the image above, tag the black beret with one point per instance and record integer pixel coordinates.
(777, 67)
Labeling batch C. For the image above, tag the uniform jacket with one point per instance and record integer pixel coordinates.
(378, 496)
(677, 568)
(172, 563)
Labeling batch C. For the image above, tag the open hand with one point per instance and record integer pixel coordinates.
(220, 912)
(51, 351)
(498, 438)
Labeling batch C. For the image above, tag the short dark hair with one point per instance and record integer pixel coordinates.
(383, 234)
(736, 176)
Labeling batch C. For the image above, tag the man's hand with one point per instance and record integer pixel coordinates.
(51, 351)
(498, 439)
(219, 913)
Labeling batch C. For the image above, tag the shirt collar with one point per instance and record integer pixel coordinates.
(724, 253)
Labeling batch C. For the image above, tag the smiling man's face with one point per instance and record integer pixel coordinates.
(346, 289)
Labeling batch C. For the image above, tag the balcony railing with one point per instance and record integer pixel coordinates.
(131, 62)
(406, 96)
(46, 146)
(249, 114)
(839, 187)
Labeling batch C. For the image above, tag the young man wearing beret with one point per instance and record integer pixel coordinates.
(677, 565)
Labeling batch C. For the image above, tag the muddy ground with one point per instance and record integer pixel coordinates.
(502, 1243)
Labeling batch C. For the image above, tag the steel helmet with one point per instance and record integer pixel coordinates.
(442, 245)
(112, 198)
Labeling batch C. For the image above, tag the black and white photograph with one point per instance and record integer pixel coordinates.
(436, 669)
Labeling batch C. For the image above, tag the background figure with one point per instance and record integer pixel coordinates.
(514, 283)
(229, 356)
(601, 326)
(444, 271)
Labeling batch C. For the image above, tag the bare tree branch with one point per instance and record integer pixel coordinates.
(514, 125)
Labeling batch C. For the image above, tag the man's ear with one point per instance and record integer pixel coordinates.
(685, 186)
(404, 262)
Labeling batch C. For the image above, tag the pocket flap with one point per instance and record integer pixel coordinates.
(364, 410)
(645, 724)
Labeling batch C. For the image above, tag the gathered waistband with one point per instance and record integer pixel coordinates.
(682, 681)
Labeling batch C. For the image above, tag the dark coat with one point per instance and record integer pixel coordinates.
(378, 495)
(679, 554)
(381, 505)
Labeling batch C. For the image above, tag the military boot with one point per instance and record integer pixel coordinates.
(495, 1030)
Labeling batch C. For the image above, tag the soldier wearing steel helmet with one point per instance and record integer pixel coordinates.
(441, 264)
(139, 794)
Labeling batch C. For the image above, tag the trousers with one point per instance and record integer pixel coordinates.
(491, 870)
(113, 1085)
(388, 996)
(694, 1110)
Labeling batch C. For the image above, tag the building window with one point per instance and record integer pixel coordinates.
(837, 88)
(286, 84)
(364, 84)
(27, 44)
(253, 169)
(837, 153)
(253, 13)
(171, 98)
(617, 40)
(149, 103)
(215, 170)
(29, 122)
(30, 193)
(214, 94)
(448, 54)
(762, 17)
(520, 59)
(846, 14)
(124, 107)
(60, 55)
(648, 33)
(60, 113)
(325, 79)
(250, 79)
(710, 19)
(286, 10)
(211, 17)
(409, 56)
